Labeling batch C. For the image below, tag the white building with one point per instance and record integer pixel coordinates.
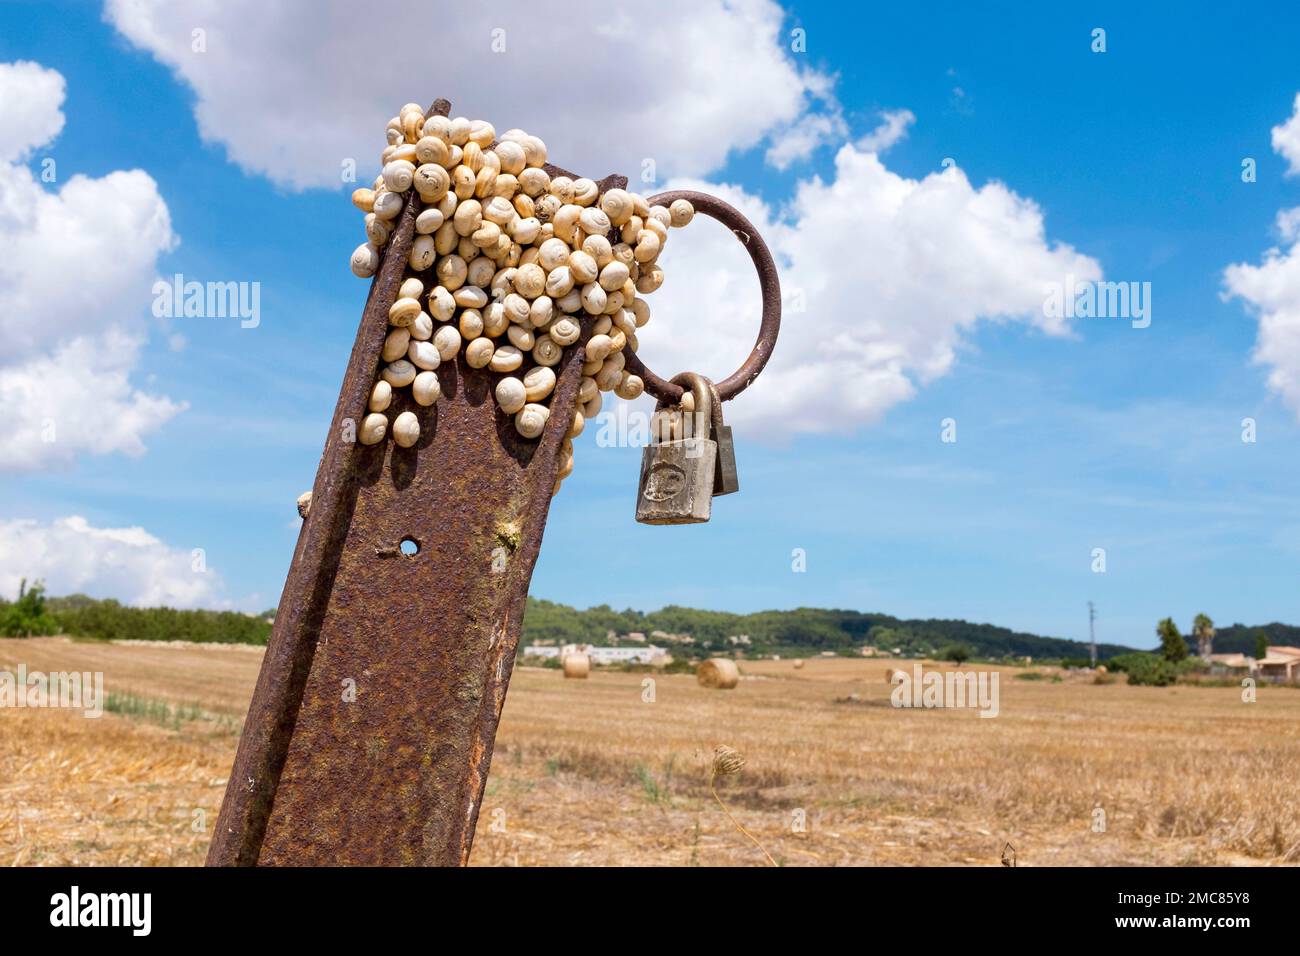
(600, 655)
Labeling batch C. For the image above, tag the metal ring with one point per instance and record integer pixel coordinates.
(744, 230)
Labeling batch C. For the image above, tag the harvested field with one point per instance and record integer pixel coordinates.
(603, 771)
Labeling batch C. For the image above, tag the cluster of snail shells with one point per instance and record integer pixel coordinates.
(504, 262)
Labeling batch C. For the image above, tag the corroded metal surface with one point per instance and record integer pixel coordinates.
(370, 732)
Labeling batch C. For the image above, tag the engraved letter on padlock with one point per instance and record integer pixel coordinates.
(677, 475)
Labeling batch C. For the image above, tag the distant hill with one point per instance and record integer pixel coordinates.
(1241, 639)
(799, 632)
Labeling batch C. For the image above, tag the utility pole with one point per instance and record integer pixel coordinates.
(1092, 632)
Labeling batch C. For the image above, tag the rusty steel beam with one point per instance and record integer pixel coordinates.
(396, 775)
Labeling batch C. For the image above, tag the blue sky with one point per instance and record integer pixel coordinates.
(1108, 437)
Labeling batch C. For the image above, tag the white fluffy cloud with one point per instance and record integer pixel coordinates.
(881, 275)
(1286, 139)
(1271, 289)
(129, 564)
(26, 120)
(291, 94)
(74, 287)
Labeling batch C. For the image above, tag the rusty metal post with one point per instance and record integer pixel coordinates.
(428, 640)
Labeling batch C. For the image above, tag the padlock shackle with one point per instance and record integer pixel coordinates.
(669, 392)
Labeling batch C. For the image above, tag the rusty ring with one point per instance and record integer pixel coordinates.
(743, 229)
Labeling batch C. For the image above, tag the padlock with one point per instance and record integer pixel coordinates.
(677, 475)
(726, 481)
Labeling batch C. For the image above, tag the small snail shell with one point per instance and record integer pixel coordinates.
(521, 338)
(559, 282)
(511, 395)
(658, 228)
(681, 212)
(400, 373)
(602, 326)
(534, 182)
(403, 312)
(583, 267)
(479, 352)
(481, 272)
(364, 261)
(394, 136)
(531, 420)
(470, 297)
(585, 192)
(432, 149)
(428, 222)
(647, 246)
(534, 151)
(530, 281)
(660, 213)
(411, 288)
(441, 305)
(447, 342)
(470, 324)
(378, 230)
(517, 308)
(592, 408)
(468, 217)
(499, 210)
(617, 205)
(363, 199)
(594, 221)
(525, 230)
(405, 152)
(589, 369)
(445, 238)
(513, 157)
(564, 331)
(613, 276)
(562, 189)
(406, 429)
(425, 389)
(546, 352)
(381, 396)
(462, 182)
(593, 298)
(452, 271)
(613, 303)
(565, 222)
(631, 230)
(609, 377)
(459, 131)
(552, 254)
(432, 182)
(571, 301)
(495, 320)
(398, 175)
(624, 253)
(485, 183)
(630, 387)
(423, 355)
(506, 187)
(598, 248)
(541, 311)
(598, 347)
(482, 132)
(395, 345)
(421, 327)
(547, 208)
(579, 422)
(640, 311)
(507, 358)
(423, 253)
(650, 280)
(373, 429)
(587, 389)
(539, 382)
(618, 339)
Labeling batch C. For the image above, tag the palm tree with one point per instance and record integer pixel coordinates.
(1203, 631)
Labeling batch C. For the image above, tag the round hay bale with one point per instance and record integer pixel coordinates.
(798, 665)
(577, 666)
(718, 673)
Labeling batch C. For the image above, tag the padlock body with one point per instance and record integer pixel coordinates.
(677, 482)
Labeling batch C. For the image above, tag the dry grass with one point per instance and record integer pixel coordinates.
(589, 772)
